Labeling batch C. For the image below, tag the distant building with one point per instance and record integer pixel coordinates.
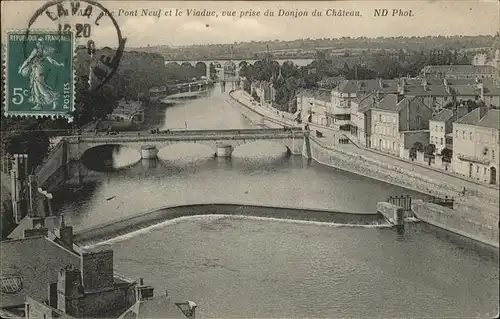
(157, 93)
(460, 72)
(128, 111)
(314, 105)
(360, 123)
(482, 59)
(476, 145)
(264, 91)
(439, 126)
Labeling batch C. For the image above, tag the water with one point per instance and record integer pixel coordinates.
(256, 268)
(244, 267)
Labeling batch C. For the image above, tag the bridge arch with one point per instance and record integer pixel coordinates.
(293, 139)
(109, 157)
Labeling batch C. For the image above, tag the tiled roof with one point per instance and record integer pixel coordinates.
(157, 307)
(35, 261)
(356, 86)
(443, 116)
(347, 86)
(369, 101)
(478, 69)
(481, 117)
(465, 90)
(389, 103)
(431, 90)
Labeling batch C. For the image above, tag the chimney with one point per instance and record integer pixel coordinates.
(97, 270)
(66, 236)
(69, 289)
(144, 292)
(482, 111)
(424, 84)
(480, 87)
(402, 86)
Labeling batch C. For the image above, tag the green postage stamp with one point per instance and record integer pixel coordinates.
(39, 78)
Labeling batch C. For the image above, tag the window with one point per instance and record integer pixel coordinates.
(394, 145)
(436, 128)
(485, 170)
(380, 118)
(470, 136)
(463, 135)
(419, 120)
(445, 98)
(456, 133)
(441, 141)
(442, 128)
(432, 139)
(492, 154)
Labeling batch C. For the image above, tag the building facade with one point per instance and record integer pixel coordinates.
(476, 145)
(392, 115)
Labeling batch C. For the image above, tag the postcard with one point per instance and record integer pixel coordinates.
(250, 159)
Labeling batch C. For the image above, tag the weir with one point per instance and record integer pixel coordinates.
(143, 220)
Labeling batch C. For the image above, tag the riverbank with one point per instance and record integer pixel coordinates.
(139, 221)
(479, 207)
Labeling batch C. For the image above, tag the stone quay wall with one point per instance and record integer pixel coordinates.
(448, 219)
(480, 210)
(127, 225)
(53, 171)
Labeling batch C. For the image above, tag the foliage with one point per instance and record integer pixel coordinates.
(430, 149)
(446, 154)
(305, 48)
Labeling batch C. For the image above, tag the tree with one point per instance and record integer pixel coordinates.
(447, 155)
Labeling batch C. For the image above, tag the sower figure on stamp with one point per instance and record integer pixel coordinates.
(40, 93)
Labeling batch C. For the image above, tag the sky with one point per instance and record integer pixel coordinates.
(428, 17)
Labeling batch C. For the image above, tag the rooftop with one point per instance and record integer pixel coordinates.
(389, 103)
(443, 116)
(28, 266)
(479, 69)
(156, 307)
(481, 117)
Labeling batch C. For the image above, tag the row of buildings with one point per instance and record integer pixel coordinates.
(448, 123)
(447, 117)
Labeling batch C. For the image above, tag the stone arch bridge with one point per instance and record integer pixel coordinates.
(293, 139)
(236, 64)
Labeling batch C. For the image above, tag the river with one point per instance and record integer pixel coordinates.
(246, 267)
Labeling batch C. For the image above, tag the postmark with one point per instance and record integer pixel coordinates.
(39, 77)
(86, 19)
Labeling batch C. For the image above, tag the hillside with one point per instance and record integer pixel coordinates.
(305, 48)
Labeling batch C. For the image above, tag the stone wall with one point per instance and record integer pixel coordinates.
(52, 171)
(453, 221)
(143, 220)
(395, 214)
(96, 304)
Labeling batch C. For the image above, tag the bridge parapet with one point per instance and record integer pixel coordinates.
(291, 138)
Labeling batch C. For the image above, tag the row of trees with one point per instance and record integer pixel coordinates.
(304, 48)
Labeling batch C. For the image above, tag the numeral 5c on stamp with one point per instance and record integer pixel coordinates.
(39, 73)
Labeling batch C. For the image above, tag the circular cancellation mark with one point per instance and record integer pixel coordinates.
(101, 72)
